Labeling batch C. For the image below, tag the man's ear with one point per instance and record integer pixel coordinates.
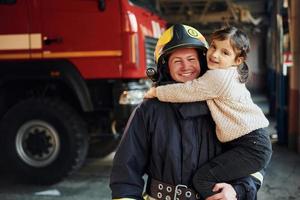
(239, 60)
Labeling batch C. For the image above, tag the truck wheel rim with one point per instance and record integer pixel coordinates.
(37, 143)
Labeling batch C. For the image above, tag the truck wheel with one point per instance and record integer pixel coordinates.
(44, 140)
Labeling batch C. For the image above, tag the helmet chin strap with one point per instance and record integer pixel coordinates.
(152, 74)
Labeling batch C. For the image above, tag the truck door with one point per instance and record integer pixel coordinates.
(79, 31)
(16, 40)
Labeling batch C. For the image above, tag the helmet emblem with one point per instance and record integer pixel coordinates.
(193, 33)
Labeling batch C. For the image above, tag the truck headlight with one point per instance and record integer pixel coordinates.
(131, 97)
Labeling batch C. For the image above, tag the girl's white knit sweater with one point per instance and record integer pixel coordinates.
(229, 101)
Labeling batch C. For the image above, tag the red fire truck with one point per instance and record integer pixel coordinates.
(71, 71)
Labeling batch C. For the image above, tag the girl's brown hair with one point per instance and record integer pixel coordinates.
(240, 43)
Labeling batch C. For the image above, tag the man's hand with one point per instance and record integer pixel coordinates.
(226, 192)
(151, 93)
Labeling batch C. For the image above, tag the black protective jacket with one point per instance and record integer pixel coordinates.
(168, 142)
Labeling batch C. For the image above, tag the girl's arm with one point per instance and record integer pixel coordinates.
(211, 85)
(151, 93)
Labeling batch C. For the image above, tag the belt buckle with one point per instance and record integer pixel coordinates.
(178, 191)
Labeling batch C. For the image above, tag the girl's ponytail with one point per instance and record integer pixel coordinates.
(243, 71)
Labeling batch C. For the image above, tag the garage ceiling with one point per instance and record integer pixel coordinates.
(211, 13)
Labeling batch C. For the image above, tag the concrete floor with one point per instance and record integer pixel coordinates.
(282, 181)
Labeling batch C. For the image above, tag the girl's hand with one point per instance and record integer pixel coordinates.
(227, 192)
(151, 93)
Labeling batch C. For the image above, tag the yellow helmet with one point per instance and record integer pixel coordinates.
(178, 36)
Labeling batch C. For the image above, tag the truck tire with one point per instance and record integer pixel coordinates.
(44, 139)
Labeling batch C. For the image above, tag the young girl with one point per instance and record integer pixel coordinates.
(239, 122)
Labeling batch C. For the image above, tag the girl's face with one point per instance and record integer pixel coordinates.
(184, 64)
(221, 55)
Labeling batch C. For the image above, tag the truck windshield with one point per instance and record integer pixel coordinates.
(148, 4)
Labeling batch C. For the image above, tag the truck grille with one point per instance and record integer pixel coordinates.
(150, 43)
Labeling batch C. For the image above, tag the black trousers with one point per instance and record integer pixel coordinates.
(244, 156)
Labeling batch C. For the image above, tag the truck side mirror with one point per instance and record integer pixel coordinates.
(101, 5)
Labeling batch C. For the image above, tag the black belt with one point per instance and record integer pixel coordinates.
(161, 190)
